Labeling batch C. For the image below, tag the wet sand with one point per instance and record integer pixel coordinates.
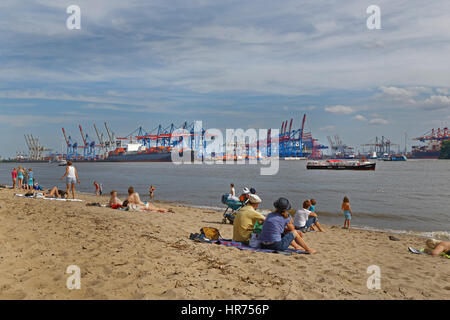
(136, 255)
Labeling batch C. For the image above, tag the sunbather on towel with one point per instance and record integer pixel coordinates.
(278, 231)
(55, 193)
(435, 247)
(246, 219)
(137, 204)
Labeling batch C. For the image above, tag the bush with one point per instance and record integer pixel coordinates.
(445, 150)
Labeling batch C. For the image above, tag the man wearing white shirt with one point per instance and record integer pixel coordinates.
(304, 218)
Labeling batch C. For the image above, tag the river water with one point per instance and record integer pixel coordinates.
(412, 195)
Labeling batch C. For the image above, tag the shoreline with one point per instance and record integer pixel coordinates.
(436, 234)
(140, 255)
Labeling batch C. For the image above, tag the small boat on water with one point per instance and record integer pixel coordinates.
(394, 157)
(341, 165)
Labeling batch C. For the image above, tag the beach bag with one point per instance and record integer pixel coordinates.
(210, 233)
(254, 241)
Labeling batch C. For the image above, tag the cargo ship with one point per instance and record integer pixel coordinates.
(334, 164)
(433, 140)
(136, 152)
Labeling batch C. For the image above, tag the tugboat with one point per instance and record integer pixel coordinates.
(362, 164)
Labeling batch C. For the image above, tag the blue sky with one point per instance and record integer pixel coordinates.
(231, 64)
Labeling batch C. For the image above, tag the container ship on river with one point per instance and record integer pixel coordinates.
(136, 152)
(433, 140)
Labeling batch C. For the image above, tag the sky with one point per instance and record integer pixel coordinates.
(230, 64)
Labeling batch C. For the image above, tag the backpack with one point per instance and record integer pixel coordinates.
(211, 233)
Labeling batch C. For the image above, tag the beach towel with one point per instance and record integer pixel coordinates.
(241, 246)
(39, 197)
(422, 251)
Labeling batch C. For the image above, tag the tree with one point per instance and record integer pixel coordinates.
(445, 150)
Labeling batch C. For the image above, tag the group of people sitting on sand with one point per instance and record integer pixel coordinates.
(133, 202)
(281, 228)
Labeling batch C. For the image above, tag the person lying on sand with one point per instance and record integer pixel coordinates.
(246, 218)
(134, 199)
(436, 247)
(278, 231)
(55, 193)
(115, 202)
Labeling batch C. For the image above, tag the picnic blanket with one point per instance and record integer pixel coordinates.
(242, 246)
(58, 199)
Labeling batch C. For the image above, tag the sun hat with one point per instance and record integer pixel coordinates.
(253, 198)
(282, 204)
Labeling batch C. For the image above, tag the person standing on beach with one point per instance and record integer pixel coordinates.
(19, 178)
(25, 179)
(347, 212)
(232, 191)
(71, 176)
(14, 177)
(97, 188)
(30, 180)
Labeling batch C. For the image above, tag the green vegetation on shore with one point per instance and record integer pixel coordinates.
(445, 150)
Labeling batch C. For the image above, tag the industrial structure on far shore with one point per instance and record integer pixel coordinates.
(157, 144)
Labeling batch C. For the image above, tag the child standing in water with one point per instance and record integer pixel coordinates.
(347, 212)
(151, 190)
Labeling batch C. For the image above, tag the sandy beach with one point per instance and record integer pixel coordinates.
(134, 255)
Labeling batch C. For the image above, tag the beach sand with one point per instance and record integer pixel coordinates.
(133, 255)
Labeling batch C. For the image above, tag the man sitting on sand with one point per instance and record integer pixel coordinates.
(436, 247)
(135, 201)
(246, 219)
(304, 218)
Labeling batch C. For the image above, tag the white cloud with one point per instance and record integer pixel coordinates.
(378, 121)
(360, 117)
(438, 100)
(340, 109)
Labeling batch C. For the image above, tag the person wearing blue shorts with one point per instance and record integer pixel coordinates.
(347, 212)
(71, 176)
(30, 180)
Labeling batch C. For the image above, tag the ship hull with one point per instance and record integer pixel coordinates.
(140, 157)
(426, 155)
(362, 167)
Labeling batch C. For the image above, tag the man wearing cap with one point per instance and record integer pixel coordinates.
(246, 219)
